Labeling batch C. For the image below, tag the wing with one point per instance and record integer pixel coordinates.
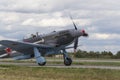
(23, 46)
(4, 55)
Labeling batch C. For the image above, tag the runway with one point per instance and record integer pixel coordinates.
(60, 65)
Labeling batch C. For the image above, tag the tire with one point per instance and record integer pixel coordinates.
(68, 61)
(42, 64)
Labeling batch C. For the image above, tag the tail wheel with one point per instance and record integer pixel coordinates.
(68, 61)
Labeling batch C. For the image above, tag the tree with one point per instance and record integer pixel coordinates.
(118, 55)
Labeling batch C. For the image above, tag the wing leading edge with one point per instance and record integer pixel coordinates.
(18, 46)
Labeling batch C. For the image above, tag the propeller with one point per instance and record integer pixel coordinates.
(76, 40)
(73, 23)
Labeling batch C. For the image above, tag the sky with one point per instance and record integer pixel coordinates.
(99, 18)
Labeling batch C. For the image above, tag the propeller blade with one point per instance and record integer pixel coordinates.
(75, 44)
(76, 40)
(75, 26)
(73, 23)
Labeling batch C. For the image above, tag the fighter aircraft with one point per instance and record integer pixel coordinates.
(39, 46)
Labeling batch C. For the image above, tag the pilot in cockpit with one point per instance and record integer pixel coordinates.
(33, 35)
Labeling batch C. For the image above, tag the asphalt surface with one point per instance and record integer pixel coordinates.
(60, 65)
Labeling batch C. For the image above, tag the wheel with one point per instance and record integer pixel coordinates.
(68, 61)
(42, 64)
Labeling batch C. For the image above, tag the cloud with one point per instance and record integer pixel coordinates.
(112, 48)
(58, 22)
(101, 19)
(9, 28)
(104, 36)
(37, 6)
(5, 38)
(46, 22)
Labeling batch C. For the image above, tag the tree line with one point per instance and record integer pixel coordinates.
(92, 54)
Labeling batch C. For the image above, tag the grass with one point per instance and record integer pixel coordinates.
(12, 72)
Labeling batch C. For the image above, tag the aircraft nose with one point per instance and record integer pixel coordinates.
(78, 33)
(84, 33)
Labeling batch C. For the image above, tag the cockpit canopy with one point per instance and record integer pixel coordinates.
(31, 36)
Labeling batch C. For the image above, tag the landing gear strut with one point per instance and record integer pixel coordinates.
(39, 59)
(67, 59)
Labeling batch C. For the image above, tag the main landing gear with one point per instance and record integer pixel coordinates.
(67, 59)
(39, 59)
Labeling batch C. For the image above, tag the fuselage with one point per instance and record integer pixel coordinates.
(55, 39)
(59, 40)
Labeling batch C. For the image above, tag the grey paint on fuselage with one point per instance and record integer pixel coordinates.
(59, 40)
(55, 39)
